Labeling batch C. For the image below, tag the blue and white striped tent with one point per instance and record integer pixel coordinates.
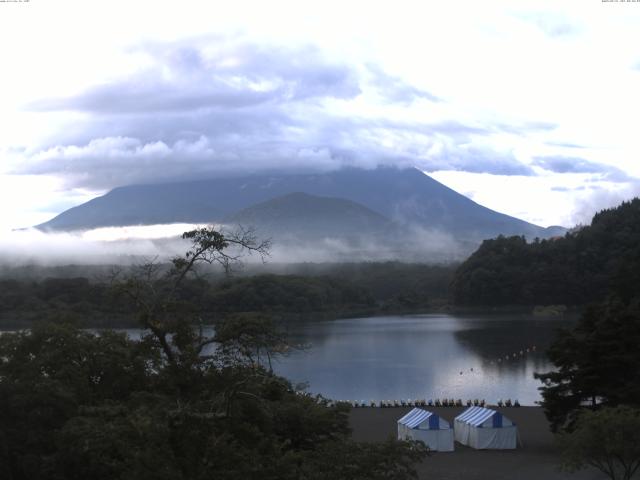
(483, 428)
(428, 427)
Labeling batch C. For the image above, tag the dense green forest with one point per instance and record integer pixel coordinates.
(577, 269)
(317, 290)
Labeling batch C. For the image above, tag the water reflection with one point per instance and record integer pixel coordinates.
(420, 356)
(423, 356)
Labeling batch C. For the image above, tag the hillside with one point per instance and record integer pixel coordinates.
(580, 268)
(406, 196)
(300, 215)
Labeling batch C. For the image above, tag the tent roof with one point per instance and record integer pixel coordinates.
(415, 417)
(476, 416)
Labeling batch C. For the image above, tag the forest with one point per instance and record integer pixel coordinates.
(577, 269)
(317, 291)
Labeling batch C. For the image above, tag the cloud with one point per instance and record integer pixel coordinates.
(330, 144)
(580, 188)
(561, 164)
(112, 161)
(552, 24)
(473, 159)
(222, 106)
(595, 200)
(191, 77)
(566, 145)
(30, 246)
(186, 78)
(396, 90)
(418, 245)
(519, 129)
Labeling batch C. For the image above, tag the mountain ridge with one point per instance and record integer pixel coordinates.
(302, 215)
(405, 196)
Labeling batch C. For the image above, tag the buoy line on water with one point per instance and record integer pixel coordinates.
(509, 357)
(446, 402)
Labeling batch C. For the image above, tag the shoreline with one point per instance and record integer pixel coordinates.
(102, 320)
(536, 458)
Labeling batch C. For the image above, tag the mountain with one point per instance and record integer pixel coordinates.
(406, 196)
(300, 215)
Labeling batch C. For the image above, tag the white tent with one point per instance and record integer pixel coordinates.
(483, 428)
(428, 427)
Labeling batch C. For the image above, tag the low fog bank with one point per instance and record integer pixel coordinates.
(413, 245)
(105, 246)
(32, 250)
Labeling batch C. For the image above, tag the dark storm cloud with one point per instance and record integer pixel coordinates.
(559, 164)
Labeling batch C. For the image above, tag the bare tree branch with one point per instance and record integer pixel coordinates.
(154, 289)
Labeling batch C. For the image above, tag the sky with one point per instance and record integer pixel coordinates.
(531, 108)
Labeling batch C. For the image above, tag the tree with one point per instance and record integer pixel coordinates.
(574, 270)
(597, 363)
(606, 439)
(358, 461)
(250, 338)
(154, 291)
(48, 374)
(175, 404)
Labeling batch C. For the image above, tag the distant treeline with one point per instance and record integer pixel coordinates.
(577, 269)
(335, 290)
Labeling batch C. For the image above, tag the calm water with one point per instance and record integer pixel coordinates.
(422, 356)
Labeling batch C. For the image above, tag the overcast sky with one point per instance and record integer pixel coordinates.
(530, 108)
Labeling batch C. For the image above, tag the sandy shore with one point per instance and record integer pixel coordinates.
(536, 459)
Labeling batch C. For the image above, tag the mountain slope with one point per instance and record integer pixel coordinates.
(308, 216)
(403, 195)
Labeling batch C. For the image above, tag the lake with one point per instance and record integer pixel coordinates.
(431, 356)
(423, 356)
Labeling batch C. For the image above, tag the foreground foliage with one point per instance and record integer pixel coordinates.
(606, 439)
(175, 404)
(593, 399)
(597, 363)
(76, 405)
